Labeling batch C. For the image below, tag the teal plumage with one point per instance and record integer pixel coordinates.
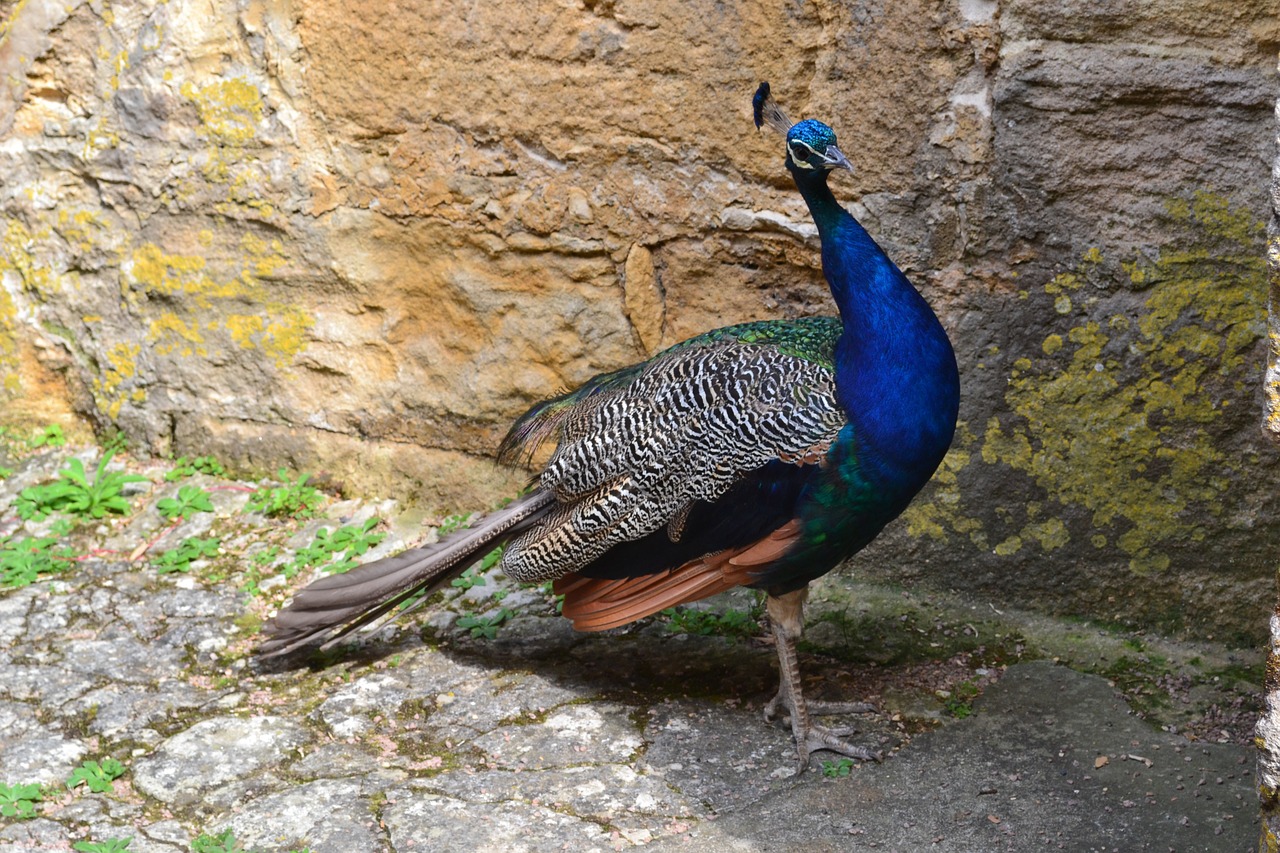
(761, 454)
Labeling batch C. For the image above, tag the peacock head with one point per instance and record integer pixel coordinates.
(811, 145)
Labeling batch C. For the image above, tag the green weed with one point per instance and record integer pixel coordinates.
(468, 579)
(19, 801)
(117, 442)
(731, 623)
(292, 499)
(189, 501)
(22, 562)
(454, 522)
(838, 768)
(336, 551)
(72, 493)
(484, 627)
(224, 842)
(180, 559)
(960, 703)
(185, 467)
(96, 776)
(50, 436)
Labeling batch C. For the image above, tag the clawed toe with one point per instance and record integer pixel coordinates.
(827, 709)
(832, 740)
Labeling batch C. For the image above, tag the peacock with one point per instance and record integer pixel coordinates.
(759, 455)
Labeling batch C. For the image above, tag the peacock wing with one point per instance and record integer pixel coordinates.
(636, 452)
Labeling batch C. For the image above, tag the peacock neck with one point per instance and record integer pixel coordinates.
(895, 369)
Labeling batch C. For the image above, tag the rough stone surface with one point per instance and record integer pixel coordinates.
(212, 753)
(432, 736)
(361, 244)
(1051, 761)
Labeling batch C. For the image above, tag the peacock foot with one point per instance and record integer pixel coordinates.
(811, 738)
(786, 620)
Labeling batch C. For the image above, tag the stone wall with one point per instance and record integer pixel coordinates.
(359, 240)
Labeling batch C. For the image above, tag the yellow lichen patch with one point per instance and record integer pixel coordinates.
(151, 270)
(1050, 534)
(79, 228)
(1008, 547)
(119, 65)
(245, 329)
(229, 110)
(286, 336)
(230, 179)
(99, 138)
(281, 334)
(111, 389)
(276, 328)
(267, 256)
(1115, 425)
(170, 333)
(19, 251)
(10, 377)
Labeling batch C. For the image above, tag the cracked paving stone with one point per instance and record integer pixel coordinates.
(606, 793)
(16, 720)
(570, 735)
(719, 756)
(122, 659)
(212, 753)
(336, 760)
(99, 817)
(490, 699)
(39, 755)
(39, 834)
(14, 610)
(418, 821)
(128, 712)
(330, 814)
(349, 712)
(51, 686)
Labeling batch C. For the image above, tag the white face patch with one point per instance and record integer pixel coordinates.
(800, 152)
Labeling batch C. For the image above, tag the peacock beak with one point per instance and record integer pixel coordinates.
(833, 158)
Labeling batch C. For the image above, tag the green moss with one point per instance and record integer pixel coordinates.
(1112, 419)
(1010, 546)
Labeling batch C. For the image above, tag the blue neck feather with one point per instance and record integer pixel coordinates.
(896, 373)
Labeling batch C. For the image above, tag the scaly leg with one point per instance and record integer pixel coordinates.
(786, 616)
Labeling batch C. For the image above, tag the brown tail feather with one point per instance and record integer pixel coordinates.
(597, 604)
(333, 606)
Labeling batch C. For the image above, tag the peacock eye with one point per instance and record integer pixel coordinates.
(800, 150)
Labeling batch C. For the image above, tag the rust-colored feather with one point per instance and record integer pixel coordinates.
(770, 548)
(597, 604)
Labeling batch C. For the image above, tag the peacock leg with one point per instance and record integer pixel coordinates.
(786, 616)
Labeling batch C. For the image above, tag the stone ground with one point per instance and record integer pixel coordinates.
(487, 724)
